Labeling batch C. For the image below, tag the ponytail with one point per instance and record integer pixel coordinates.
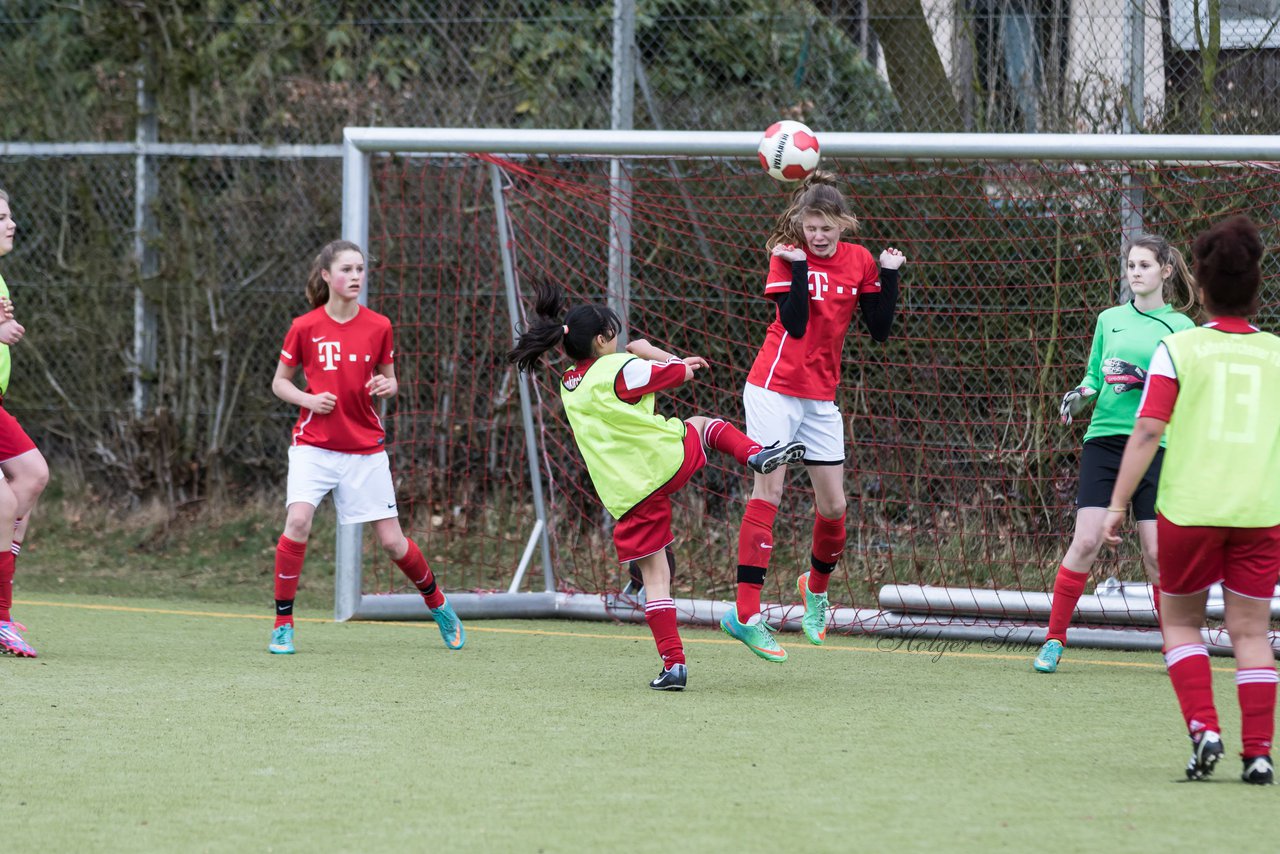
(576, 331)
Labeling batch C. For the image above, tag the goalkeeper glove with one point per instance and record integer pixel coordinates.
(1123, 376)
(1074, 402)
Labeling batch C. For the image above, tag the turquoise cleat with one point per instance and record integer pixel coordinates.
(1047, 659)
(754, 633)
(282, 640)
(450, 626)
(816, 609)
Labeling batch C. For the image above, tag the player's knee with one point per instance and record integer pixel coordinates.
(39, 477)
(297, 529)
(1087, 544)
(393, 543)
(768, 488)
(831, 508)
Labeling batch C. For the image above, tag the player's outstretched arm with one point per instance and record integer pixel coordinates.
(643, 349)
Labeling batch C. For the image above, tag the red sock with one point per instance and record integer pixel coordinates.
(415, 568)
(724, 437)
(1068, 587)
(1256, 688)
(755, 544)
(1193, 683)
(289, 557)
(660, 614)
(828, 546)
(6, 586)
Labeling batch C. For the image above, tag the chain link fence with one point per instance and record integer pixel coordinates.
(233, 235)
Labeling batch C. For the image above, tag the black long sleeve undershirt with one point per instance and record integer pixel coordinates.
(878, 309)
(793, 306)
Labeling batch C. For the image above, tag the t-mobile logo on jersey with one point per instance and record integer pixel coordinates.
(818, 285)
(330, 354)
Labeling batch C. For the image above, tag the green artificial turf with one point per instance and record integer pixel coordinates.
(147, 725)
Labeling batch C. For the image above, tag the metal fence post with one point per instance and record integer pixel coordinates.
(144, 237)
(622, 117)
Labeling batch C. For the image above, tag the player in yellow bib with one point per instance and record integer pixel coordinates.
(636, 457)
(23, 466)
(1214, 392)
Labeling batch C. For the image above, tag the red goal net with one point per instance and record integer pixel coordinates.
(959, 473)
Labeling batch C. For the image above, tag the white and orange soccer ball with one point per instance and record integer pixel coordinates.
(789, 151)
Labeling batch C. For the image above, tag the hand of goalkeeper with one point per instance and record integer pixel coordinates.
(1074, 402)
(1123, 376)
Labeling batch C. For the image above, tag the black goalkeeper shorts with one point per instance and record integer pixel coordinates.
(1099, 467)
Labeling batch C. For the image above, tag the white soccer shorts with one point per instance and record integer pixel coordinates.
(360, 483)
(774, 417)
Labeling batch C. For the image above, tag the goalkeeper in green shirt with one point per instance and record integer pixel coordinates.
(1123, 341)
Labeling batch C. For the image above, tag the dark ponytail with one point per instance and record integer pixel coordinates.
(576, 331)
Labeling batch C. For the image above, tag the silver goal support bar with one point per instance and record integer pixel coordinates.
(908, 612)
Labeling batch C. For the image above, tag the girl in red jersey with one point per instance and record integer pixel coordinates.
(345, 353)
(816, 281)
(24, 468)
(1214, 393)
(636, 458)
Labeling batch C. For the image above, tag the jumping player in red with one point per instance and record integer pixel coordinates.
(345, 353)
(816, 281)
(637, 458)
(1214, 393)
(25, 471)
(1124, 338)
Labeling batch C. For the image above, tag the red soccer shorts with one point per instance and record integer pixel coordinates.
(646, 528)
(14, 441)
(1245, 560)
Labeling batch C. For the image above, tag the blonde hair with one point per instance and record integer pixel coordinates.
(820, 195)
(1180, 288)
(317, 287)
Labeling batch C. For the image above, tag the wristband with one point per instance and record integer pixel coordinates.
(1117, 509)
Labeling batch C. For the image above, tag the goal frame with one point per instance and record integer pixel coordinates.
(906, 611)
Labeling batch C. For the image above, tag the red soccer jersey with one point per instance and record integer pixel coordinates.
(340, 358)
(809, 367)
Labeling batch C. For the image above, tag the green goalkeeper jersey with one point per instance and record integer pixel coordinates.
(1124, 340)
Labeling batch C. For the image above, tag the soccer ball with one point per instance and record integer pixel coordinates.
(789, 151)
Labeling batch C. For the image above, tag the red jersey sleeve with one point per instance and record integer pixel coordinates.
(291, 352)
(1158, 398)
(387, 347)
(660, 375)
(778, 280)
(1161, 389)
